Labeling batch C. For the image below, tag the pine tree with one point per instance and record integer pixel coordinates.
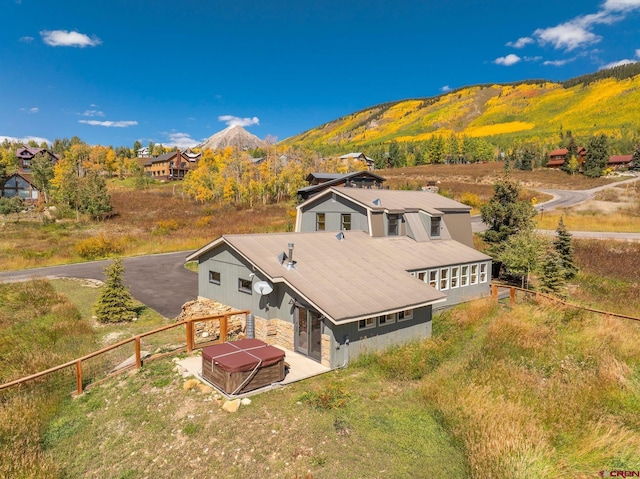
(597, 156)
(552, 279)
(562, 244)
(115, 303)
(635, 159)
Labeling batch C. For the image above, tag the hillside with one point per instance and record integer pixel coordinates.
(603, 102)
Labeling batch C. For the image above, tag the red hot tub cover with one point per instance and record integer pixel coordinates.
(242, 355)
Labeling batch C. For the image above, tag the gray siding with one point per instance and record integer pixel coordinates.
(333, 206)
(459, 226)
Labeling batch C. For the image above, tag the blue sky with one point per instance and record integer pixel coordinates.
(113, 72)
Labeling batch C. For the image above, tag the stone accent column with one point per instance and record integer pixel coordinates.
(325, 359)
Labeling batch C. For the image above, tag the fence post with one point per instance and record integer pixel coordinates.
(138, 360)
(79, 377)
(512, 296)
(189, 335)
(494, 291)
(223, 328)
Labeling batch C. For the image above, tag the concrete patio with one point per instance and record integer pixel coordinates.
(300, 367)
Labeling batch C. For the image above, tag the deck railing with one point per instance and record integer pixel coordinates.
(113, 358)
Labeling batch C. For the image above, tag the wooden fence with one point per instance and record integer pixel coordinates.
(495, 293)
(190, 345)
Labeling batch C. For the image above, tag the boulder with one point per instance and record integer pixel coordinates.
(190, 384)
(231, 406)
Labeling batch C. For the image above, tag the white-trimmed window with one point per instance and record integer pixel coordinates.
(421, 275)
(444, 278)
(244, 285)
(435, 226)
(474, 274)
(387, 319)
(214, 277)
(366, 323)
(464, 275)
(433, 278)
(345, 221)
(406, 314)
(393, 228)
(483, 272)
(320, 221)
(455, 276)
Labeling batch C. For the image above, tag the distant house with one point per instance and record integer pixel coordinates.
(364, 270)
(321, 181)
(143, 152)
(20, 184)
(558, 156)
(362, 157)
(173, 165)
(619, 161)
(26, 155)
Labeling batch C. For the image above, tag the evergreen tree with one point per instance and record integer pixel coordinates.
(94, 196)
(527, 160)
(564, 248)
(597, 156)
(115, 303)
(635, 159)
(520, 254)
(506, 214)
(553, 275)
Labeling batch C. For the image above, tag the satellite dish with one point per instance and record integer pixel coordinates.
(262, 288)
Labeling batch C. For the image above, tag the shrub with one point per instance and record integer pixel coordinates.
(471, 199)
(10, 205)
(332, 397)
(164, 227)
(98, 247)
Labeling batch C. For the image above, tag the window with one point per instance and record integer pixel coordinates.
(367, 323)
(444, 278)
(345, 221)
(394, 225)
(406, 314)
(435, 226)
(455, 272)
(421, 275)
(244, 285)
(214, 277)
(433, 278)
(464, 276)
(387, 319)
(319, 221)
(483, 272)
(474, 274)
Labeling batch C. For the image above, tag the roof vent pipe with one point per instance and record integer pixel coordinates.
(291, 264)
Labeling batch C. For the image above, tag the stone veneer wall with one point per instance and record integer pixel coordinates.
(275, 332)
(325, 349)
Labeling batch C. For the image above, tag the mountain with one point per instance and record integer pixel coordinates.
(603, 102)
(232, 136)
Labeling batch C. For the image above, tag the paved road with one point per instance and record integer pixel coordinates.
(159, 281)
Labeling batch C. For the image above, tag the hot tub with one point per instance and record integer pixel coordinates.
(240, 366)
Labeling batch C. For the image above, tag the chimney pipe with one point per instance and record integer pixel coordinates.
(291, 264)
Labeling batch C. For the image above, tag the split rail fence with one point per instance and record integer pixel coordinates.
(125, 355)
(500, 290)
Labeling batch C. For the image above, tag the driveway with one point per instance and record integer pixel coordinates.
(159, 281)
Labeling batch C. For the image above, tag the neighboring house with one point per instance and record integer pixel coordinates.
(192, 155)
(321, 181)
(26, 154)
(559, 156)
(362, 157)
(143, 152)
(619, 161)
(20, 185)
(364, 276)
(170, 166)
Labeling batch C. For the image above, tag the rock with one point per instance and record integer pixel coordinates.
(211, 329)
(190, 384)
(245, 401)
(231, 406)
(204, 389)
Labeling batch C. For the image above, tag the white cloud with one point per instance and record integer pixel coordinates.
(26, 39)
(110, 124)
(445, 88)
(638, 53)
(521, 42)
(617, 64)
(558, 63)
(621, 5)
(532, 59)
(567, 36)
(35, 109)
(181, 140)
(25, 139)
(507, 61)
(92, 113)
(231, 120)
(64, 38)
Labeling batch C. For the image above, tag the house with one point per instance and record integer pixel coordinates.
(26, 154)
(143, 152)
(321, 181)
(20, 184)
(170, 166)
(361, 157)
(619, 161)
(360, 273)
(558, 156)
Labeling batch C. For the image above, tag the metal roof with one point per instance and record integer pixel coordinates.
(353, 278)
